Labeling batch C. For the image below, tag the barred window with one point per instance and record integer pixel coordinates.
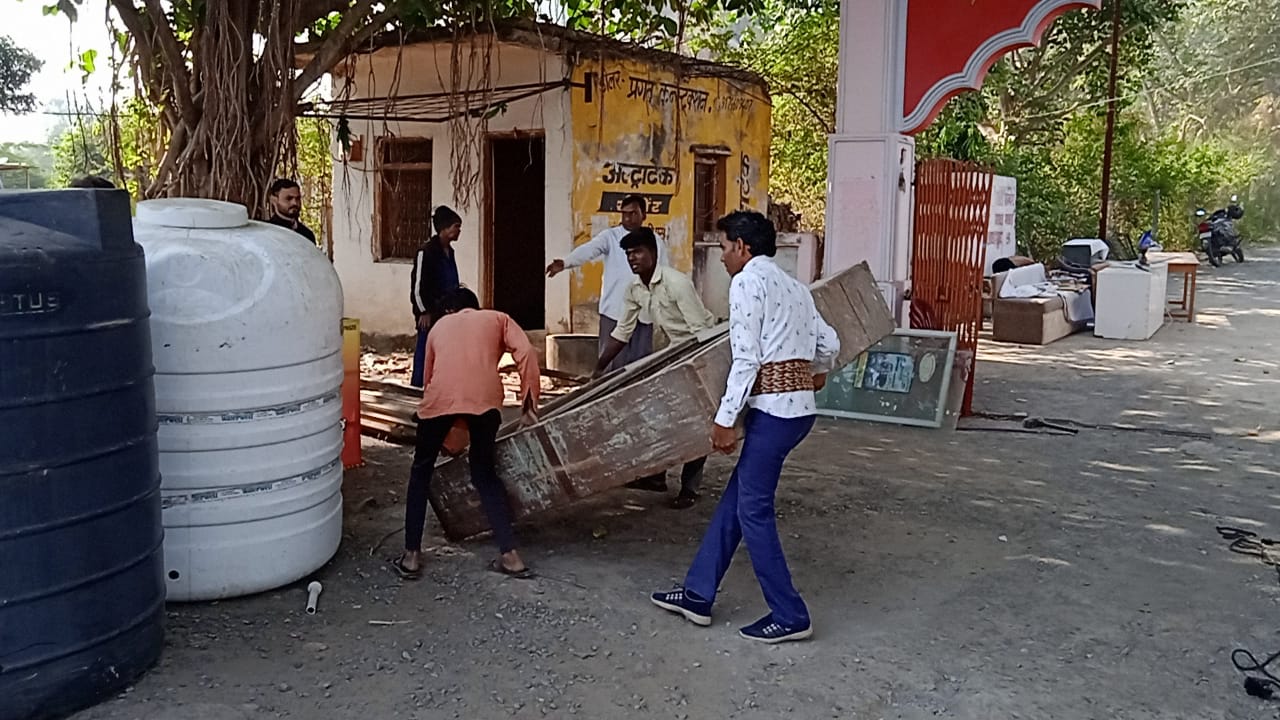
(708, 192)
(403, 202)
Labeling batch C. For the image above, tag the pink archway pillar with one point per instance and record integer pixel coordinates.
(900, 61)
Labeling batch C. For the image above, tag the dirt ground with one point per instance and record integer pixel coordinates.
(964, 575)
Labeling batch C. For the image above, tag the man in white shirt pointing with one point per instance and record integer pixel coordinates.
(617, 276)
(782, 351)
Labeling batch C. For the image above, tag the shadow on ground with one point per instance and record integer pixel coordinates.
(963, 575)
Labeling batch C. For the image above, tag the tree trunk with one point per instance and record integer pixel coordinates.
(228, 114)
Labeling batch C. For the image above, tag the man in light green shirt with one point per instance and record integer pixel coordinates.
(672, 302)
(670, 299)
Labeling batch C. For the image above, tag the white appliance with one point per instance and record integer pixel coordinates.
(1085, 251)
(1131, 301)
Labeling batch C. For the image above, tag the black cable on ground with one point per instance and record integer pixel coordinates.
(1264, 687)
(1069, 423)
(1246, 542)
(1262, 683)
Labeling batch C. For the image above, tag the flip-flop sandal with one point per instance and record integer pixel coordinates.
(522, 574)
(405, 572)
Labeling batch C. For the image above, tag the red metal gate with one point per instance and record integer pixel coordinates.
(948, 252)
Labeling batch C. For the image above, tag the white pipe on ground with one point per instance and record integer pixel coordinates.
(313, 596)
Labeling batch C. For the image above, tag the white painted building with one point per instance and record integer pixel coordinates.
(374, 264)
(575, 122)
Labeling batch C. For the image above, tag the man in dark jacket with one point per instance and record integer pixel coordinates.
(435, 274)
(286, 207)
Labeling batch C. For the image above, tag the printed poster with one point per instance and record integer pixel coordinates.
(1002, 236)
(885, 372)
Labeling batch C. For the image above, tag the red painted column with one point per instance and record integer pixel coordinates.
(900, 61)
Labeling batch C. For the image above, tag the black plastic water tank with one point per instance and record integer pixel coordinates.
(81, 586)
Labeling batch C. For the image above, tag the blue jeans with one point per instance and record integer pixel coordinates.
(746, 513)
(419, 357)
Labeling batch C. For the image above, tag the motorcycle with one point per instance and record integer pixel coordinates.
(1217, 231)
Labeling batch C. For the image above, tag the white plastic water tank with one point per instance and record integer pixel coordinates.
(246, 325)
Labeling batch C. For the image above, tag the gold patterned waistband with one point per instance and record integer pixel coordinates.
(783, 377)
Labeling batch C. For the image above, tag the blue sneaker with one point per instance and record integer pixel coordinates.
(765, 630)
(677, 601)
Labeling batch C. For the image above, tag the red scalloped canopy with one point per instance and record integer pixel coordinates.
(944, 36)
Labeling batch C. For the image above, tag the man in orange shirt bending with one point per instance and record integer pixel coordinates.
(461, 381)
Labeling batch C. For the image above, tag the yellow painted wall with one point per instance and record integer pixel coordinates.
(637, 136)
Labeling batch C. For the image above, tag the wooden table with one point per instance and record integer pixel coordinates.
(1188, 265)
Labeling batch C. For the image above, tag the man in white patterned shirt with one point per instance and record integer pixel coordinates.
(782, 352)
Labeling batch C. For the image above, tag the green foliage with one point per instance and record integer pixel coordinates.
(123, 151)
(794, 47)
(315, 172)
(798, 166)
(1216, 80)
(17, 65)
(1200, 101)
(1031, 92)
(226, 83)
(139, 140)
(1059, 185)
(70, 8)
(38, 156)
(662, 23)
(86, 63)
(1046, 216)
(958, 131)
(1219, 69)
(1040, 117)
(82, 149)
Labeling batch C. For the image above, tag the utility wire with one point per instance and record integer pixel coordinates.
(1130, 96)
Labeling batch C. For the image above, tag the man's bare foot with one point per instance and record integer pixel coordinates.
(510, 564)
(409, 565)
